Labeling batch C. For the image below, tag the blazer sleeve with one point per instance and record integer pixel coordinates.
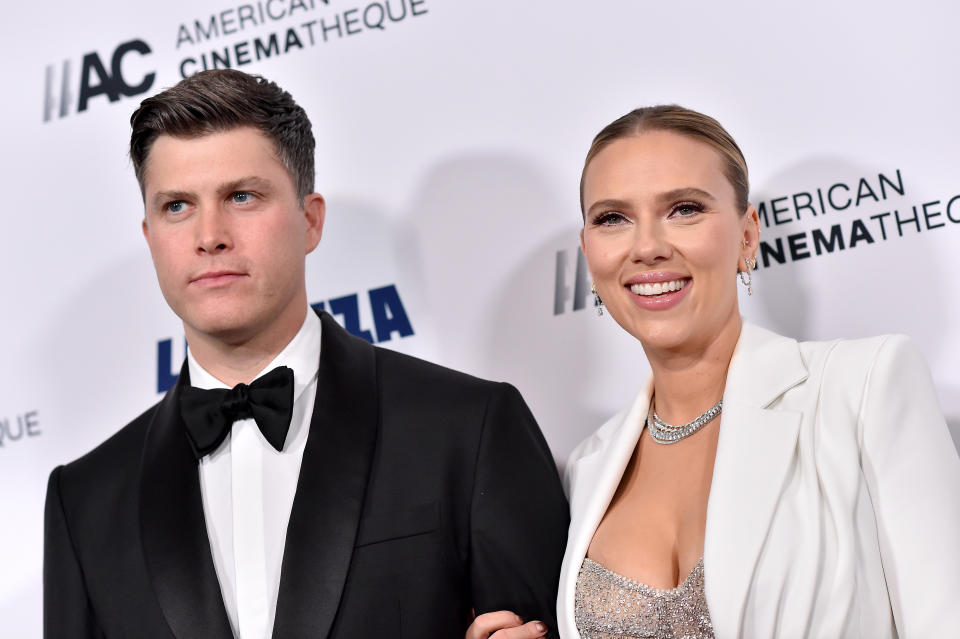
(67, 612)
(519, 515)
(913, 475)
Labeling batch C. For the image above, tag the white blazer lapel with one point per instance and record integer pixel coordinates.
(755, 450)
(595, 469)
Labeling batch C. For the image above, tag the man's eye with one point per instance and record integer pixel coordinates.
(241, 197)
(176, 207)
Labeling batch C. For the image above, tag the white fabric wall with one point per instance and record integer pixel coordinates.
(449, 146)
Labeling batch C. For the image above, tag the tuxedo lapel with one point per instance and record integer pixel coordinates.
(755, 451)
(331, 488)
(173, 530)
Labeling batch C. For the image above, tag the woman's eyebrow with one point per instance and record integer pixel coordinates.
(609, 204)
(685, 192)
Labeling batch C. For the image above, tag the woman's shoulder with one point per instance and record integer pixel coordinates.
(862, 358)
(612, 438)
(844, 356)
(862, 382)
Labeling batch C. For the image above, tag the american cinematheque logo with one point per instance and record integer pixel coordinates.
(829, 218)
(231, 38)
(848, 214)
(66, 93)
(271, 28)
(18, 428)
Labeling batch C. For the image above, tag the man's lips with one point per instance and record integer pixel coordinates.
(217, 278)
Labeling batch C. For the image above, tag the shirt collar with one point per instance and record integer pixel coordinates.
(302, 355)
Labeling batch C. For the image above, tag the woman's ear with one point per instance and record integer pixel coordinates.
(751, 234)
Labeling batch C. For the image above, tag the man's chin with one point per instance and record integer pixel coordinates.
(228, 331)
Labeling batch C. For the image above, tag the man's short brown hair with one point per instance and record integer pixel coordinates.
(220, 100)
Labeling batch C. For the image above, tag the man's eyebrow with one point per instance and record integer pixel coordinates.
(248, 182)
(170, 196)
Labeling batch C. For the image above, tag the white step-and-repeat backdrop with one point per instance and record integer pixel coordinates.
(450, 137)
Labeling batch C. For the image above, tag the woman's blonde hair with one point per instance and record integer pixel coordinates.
(670, 117)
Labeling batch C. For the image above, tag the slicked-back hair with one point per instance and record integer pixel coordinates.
(670, 117)
(220, 100)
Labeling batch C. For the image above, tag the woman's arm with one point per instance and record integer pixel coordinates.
(913, 474)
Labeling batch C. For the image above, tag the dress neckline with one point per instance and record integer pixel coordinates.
(633, 584)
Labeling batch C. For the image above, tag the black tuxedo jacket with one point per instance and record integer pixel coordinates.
(424, 493)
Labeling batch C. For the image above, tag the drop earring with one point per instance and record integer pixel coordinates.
(746, 277)
(597, 302)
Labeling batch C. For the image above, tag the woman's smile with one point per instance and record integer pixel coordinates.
(663, 236)
(661, 295)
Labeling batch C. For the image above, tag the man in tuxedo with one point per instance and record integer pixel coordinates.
(297, 481)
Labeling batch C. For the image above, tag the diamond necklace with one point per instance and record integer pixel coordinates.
(664, 433)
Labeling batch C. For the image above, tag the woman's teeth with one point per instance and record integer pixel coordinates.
(658, 288)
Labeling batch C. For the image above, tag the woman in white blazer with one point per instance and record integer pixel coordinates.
(834, 509)
(756, 486)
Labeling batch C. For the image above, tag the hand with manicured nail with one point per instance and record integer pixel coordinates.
(504, 625)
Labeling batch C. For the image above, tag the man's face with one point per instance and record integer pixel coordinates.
(227, 234)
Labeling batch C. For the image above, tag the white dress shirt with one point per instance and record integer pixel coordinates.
(248, 487)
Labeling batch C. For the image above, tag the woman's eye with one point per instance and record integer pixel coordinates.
(609, 219)
(686, 209)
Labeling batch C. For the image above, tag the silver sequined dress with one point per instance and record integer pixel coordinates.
(610, 606)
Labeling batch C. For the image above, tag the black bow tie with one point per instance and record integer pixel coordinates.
(209, 414)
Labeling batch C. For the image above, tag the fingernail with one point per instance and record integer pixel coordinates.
(541, 627)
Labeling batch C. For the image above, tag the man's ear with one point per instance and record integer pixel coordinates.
(314, 212)
(146, 233)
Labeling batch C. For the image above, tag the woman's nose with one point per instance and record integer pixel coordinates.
(650, 244)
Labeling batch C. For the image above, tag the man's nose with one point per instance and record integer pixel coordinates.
(213, 229)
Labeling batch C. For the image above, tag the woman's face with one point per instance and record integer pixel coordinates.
(663, 239)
